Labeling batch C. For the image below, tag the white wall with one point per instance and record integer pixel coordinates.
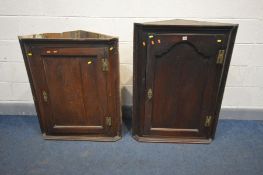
(116, 17)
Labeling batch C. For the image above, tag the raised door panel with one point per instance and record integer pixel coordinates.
(183, 77)
(73, 89)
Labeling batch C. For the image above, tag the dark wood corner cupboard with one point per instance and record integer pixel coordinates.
(74, 78)
(180, 70)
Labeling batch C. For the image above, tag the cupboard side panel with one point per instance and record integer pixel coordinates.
(26, 48)
(114, 84)
(229, 51)
(139, 62)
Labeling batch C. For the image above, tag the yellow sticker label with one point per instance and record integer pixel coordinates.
(150, 36)
(89, 62)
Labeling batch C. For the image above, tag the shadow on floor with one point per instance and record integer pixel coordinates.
(127, 119)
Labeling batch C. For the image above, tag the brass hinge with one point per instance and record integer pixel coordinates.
(105, 64)
(220, 57)
(150, 94)
(208, 121)
(45, 96)
(108, 121)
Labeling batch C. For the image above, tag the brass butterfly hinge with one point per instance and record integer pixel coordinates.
(108, 121)
(105, 64)
(220, 57)
(150, 94)
(208, 121)
(45, 96)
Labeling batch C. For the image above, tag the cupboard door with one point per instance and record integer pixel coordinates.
(182, 82)
(72, 86)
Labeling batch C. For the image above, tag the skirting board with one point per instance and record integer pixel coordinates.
(226, 113)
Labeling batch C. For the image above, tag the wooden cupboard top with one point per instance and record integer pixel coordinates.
(181, 22)
(75, 35)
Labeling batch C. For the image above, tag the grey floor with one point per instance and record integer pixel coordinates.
(237, 150)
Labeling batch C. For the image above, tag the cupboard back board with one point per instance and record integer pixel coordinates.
(180, 71)
(74, 78)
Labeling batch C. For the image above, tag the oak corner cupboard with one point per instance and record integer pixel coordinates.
(180, 71)
(74, 78)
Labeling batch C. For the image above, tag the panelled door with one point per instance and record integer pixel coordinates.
(182, 81)
(71, 84)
